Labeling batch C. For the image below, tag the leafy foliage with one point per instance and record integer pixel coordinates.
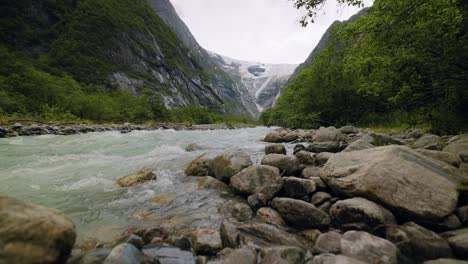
(312, 7)
(404, 63)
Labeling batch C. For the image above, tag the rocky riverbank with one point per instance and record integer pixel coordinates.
(58, 129)
(318, 196)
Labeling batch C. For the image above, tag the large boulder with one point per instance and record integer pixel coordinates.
(326, 140)
(349, 130)
(138, 177)
(446, 157)
(273, 137)
(428, 141)
(360, 213)
(457, 145)
(258, 179)
(458, 241)
(201, 166)
(301, 214)
(288, 165)
(364, 142)
(368, 248)
(275, 149)
(229, 164)
(417, 243)
(297, 187)
(33, 234)
(397, 177)
(290, 136)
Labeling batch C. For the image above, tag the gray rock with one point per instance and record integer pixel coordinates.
(311, 172)
(300, 213)
(400, 179)
(275, 149)
(296, 187)
(31, 233)
(258, 179)
(192, 147)
(457, 145)
(458, 241)
(384, 140)
(273, 137)
(360, 212)
(328, 258)
(168, 255)
(290, 136)
(329, 242)
(417, 243)
(319, 147)
(135, 241)
(264, 235)
(363, 143)
(95, 256)
(319, 198)
(349, 130)
(138, 177)
(229, 233)
(445, 261)
(229, 164)
(298, 148)
(368, 248)
(269, 216)
(239, 211)
(126, 254)
(463, 156)
(323, 157)
(446, 157)
(462, 213)
(450, 222)
(209, 183)
(257, 201)
(278, 254)
(428, 141)
(305, 157)
(234, 256)
(288, 165)
(329, 134)
(311, 235)
(415, 133)
(201, 166)
(206, 241)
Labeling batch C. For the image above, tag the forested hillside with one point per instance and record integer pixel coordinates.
(403, 64)
(105, 61)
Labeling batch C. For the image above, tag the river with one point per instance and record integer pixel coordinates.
(77, 175)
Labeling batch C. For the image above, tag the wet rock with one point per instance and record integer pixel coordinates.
(269, 216)
(290, 136)
(96, 256)
(229, 233)
(368, 248)
(273, 137)
(360, 212)
(260, 179)
(363, 143)
(396, 177)
(329, 242)
(305, 157)
(446, 157)
(234, 256)
(300, 213)
(275, 149)
(417, 243)
(323, 157)
(33, 234)
(238, 211)
(428, 141)
(138, 177)
(328, 258)
(319, 147)
(262, 235)
(257, 201)
(280, 254)
(206, 241)
(458, 241)
(320, 198)
(126, 254)
(384, 140)
(147, 234)
(135, 241)
(192, 147)
(311, 172)
(208, 182)
(201, 166)
(296, 187)
(298, 148)
(288, 165)
(168, 255)
(311, 235)
(229, 164)
(462, 213)
(445, 261)
(349, 130)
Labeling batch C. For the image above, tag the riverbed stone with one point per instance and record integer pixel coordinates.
(290, 136)
(298, 148)
(360, 212)
(368, 248)
(320, 198)
(311, 172)
(245, 255)
(349, 130)
(258, 179)
(229, 164)
(201, 166)
(329, 242)
(282, 254)
(192, 147)
(323, 157)
(262, 235)
(445, 261)
(328, 258)
(273, 137)
(364, 142)
(458, 241)
(418, 243)
(269, 216)
(229, 233)
(141, 176)
(288, 165)
(446, 157)
(396, 177)
(206, 241)
(95, 256)
(296, 187)
(379, 139)
(428, 141)
(126, 254)
(168, 255)
(34, 234)
(462, 213)
(305, 157)
(457, 145)
(275, 149)
(239, 211)
(301, 214)
(210, 183)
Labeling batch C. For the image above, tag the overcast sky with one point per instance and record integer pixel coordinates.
(257, 30)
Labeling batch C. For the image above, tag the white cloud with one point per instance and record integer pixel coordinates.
(257, 30)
